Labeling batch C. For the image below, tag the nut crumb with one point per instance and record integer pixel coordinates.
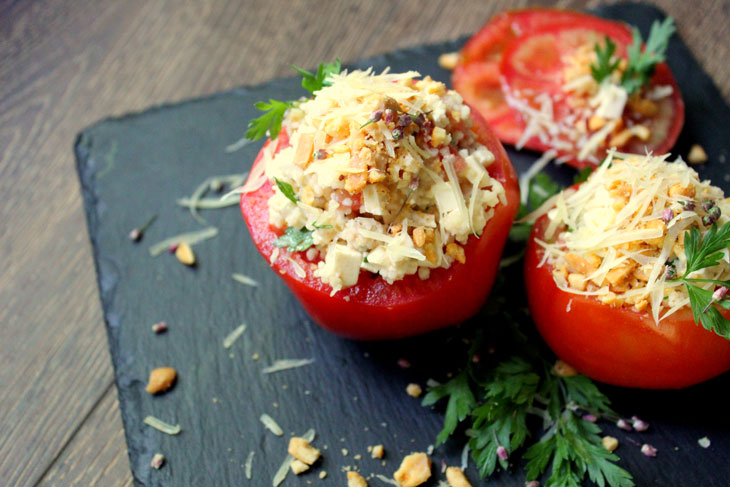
(298, 467)
(456, 477)
(697, 155)
(300, 449)
(377, 451)
(344, 452)
(184, 254)
(561, 369)
(414, 470)
(161, 379)
(159, 327)
(322, 474)
(414, 390)
(609, 443)
(158, 460)
(449, 60)
(255, 356)
(354, 479)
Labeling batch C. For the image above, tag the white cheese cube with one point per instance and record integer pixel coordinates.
(611, 100)
(371, 200)
(345, 262)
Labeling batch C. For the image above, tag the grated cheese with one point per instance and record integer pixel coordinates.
(271, 425)
(229, 340)
(286, 364)
(616, 233)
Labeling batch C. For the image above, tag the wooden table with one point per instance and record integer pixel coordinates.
(63, 66)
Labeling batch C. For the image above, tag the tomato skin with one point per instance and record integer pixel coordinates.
(374, 309)
(495, 62)
(617, 345)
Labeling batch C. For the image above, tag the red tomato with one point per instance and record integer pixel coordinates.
(374, 309)
(618, 345)
(517, 56)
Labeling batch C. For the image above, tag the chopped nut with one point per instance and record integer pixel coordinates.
(375, 176)
(609, 443)
(322, 474)
(377, 451)
(456, 251)
(697, 155)
(394, 229)
(449, 60)
(431, 254)
(439, 137)
(641, 131)
(677, 190)
(298, 467)
(185, 254)
(596, 122)
(300, 449)
(414, 470)
(577, 281)
(561, 369)
(621, 138)
(159, 327)
(643, 106)
(354, 479)
(158, 460)
(161, 379)
(414, 390)
(456, 477)
(419, 236)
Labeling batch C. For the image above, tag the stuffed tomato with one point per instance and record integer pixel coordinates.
(572, 83)
(383, 204)
(627, 275)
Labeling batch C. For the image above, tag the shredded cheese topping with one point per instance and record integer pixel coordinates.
(586, 118)
(615, 237)
(387, 176)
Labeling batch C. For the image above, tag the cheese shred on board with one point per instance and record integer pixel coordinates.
(384, 174)
(620, 236)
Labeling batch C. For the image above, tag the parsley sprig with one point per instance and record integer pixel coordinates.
(702, 252)
(270, 122)
(641, 59)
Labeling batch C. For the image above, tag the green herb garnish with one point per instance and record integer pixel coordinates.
(583, 175)
(570, 448)
(702, 252)
(296, 240)
(274, 110)
(542, 187)
(641, 62)
(315, 82)
(286, 190)
(605, 63)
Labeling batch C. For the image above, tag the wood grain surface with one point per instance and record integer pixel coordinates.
(65, 64)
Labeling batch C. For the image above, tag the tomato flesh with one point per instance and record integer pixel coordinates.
(374, 309)
(518, 55)
(618, 345)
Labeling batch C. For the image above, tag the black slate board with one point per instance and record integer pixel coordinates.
(353, 394)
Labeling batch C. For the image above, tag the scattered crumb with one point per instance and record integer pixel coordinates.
(414, 470)
(561, 369)
(344, 452)
(609, 443)
(357, 457)
(161, 379)
(377, 451)
(159, 327)
(322, 474)
(284, 387)
(216, 400)
(184, 254)
(158, 460)
(403, 363)
(354, 479)
(456, 477)
(414, 390)
(275, 404)
(704, 442)
(300, 449)
(449, 60)
(697, 155)
(255, 356)
(298, 467)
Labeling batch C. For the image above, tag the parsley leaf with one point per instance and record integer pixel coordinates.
(583, 174)
(542, 187)
(315, 82)
(270, 121)
(641, 63)
(287, 190)
(702, 252)
(605, 63)
(296, 240)
(460, 404)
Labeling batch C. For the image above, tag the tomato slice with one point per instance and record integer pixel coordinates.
(374, 309)
(518, 57)
(619, 345)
